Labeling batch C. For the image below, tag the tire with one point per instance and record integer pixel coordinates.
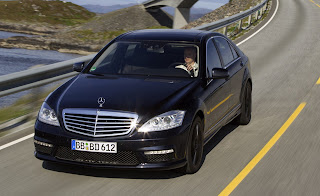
(246, 106)
(194, 154)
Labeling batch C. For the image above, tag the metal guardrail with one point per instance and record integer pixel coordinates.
(257, 10)
(31, 78)
(24, 80)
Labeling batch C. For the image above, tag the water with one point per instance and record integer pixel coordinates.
(15, 60)
(4, 35)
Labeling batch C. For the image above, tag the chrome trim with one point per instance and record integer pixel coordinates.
(81, 128)
(214, 126)
(79, 120)
(80, 124)
(115, 123)
(68, 115)
(102, 127)
(112, 130)
(122, 119)
(95, 126)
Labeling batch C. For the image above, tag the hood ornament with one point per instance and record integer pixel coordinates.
(101, 101)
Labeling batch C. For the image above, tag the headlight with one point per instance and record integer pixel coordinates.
(47, 115)
(164, 121)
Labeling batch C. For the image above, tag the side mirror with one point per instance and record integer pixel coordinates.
(78, 67)
(219, 73)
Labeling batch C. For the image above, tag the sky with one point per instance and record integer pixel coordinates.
(209, 4)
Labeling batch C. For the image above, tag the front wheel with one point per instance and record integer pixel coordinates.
(194, 153)
(246, 106)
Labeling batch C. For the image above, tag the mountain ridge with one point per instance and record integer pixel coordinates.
(195, 12)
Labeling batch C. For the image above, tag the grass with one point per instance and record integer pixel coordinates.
(234, 32)
(25, 105)
(51, 12)
(255, 23)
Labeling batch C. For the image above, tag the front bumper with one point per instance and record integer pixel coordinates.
(54, 144)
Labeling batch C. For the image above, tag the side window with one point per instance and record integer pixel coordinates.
(130, 50)
(213, 60)
(225, 50)
(235, 55)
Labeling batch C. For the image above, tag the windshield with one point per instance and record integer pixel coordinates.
(148, 58)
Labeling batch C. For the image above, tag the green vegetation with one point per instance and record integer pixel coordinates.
(255, 23)
(233, 30)
(25, 105)
(89, 35)
(51, 12)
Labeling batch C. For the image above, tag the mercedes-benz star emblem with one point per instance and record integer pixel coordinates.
(101, 101)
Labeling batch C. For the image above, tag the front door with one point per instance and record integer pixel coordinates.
(216, 91)
(231, 62)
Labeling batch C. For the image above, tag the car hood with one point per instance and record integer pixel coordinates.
(139, 95)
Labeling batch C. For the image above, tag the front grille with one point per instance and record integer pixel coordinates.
(154, 158)
(98, 123)
(120, 158)
(43, 149)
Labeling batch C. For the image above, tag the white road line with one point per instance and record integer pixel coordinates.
(18, 130)
(16, 141)
(255, 33)
(31, 135)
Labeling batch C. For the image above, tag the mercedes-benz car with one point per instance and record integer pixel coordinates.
(150, 99)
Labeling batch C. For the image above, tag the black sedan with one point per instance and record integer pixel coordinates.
(149, 99)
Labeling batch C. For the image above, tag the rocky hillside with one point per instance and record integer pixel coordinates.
(229, 9)
(93, 35)
(131, 18)
(39, 11)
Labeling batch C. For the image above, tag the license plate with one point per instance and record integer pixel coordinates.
(104, 147)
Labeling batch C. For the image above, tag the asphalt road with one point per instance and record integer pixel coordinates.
(285, 68)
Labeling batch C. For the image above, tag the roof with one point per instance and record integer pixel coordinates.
(181, 35)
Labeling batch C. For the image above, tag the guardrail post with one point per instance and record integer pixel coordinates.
(266, 6)
(257, 15)
(225, 29)
(250, 18)
(240, 24)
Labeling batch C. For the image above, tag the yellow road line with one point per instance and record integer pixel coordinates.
(318, 82)
(215, 107)
(315, 3)
(236, 181)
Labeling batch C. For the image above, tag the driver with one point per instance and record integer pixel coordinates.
(190, 65)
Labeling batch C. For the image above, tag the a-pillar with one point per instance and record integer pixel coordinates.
(181, 17)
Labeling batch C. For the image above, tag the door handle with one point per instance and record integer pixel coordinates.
(241, 64)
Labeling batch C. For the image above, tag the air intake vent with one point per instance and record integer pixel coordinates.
(99, 123)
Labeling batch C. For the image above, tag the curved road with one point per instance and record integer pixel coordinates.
(285, 68)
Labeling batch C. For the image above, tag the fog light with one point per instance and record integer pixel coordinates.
(159, 152)
(42, 143)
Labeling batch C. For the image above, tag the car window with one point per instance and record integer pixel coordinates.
(225, 50)
(235, 54)
(106, 57)
(149, 58)
(213, 60)
(130, 50)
